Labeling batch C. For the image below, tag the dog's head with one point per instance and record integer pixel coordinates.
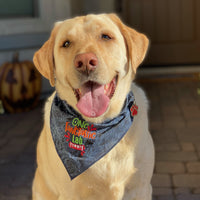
(92, 61)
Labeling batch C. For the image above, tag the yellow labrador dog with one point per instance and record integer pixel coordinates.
(95, 143)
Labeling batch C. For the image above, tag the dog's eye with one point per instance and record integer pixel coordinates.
(105, 37)
(66, 43)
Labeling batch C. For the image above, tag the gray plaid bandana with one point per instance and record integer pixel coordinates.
(79, 143)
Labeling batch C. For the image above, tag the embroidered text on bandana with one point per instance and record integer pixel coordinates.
(79, 143)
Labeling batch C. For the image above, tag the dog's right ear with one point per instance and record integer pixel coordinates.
(137, 43)
(44, 58)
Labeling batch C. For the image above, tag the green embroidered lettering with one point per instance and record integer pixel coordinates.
(75, 121)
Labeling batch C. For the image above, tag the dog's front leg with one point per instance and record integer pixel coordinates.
(40, 190)
(139, 185)
(138, 190)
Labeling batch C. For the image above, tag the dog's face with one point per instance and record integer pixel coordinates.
(92, 60)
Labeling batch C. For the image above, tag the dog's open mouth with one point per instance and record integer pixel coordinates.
(93, 98)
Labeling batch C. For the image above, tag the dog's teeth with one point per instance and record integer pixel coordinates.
(106, 87)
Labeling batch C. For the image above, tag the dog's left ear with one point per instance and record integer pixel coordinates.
(44, 57)
(137, 43)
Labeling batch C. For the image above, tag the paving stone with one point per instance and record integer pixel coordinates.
(187, 146)
(6, 178)
(190, 107)
(186, 180)
(176, 156)
(182, 190)
(14, 170)
(3, 142)
(188, 197)
(162, 191)
(167, 147)
(166, 197)
(171, 110)
(15, 197)
(161, 180)
(197, 146)
(26, 128)
(196, 191)
(174, 122)
(193, 167)
(170, 167)
(4, 187)
(14, 147)
(156, 124)
(191, 116)
(28, 158)
(167, 102)
(192, 123)
(155, 107)
(188, 135)
(6, 124)
(22, 190)
(164, 136)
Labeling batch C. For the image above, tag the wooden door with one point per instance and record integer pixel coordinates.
(173, 27)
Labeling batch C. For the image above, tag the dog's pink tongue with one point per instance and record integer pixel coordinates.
(93, 102)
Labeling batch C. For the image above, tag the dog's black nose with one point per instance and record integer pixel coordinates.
(86, 62)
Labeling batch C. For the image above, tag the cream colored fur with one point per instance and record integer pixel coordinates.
(125, 172)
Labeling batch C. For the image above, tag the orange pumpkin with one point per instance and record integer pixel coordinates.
(20, 85)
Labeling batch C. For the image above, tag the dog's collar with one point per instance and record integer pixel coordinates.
(79, 143)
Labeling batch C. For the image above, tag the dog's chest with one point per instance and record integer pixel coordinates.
(116, 166)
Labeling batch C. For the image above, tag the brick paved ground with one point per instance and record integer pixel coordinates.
(18, 136)
(175, 128)
(174, 123)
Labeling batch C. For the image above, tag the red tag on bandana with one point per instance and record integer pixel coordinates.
(134, 110)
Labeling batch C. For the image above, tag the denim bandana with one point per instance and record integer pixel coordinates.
(80, 143)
